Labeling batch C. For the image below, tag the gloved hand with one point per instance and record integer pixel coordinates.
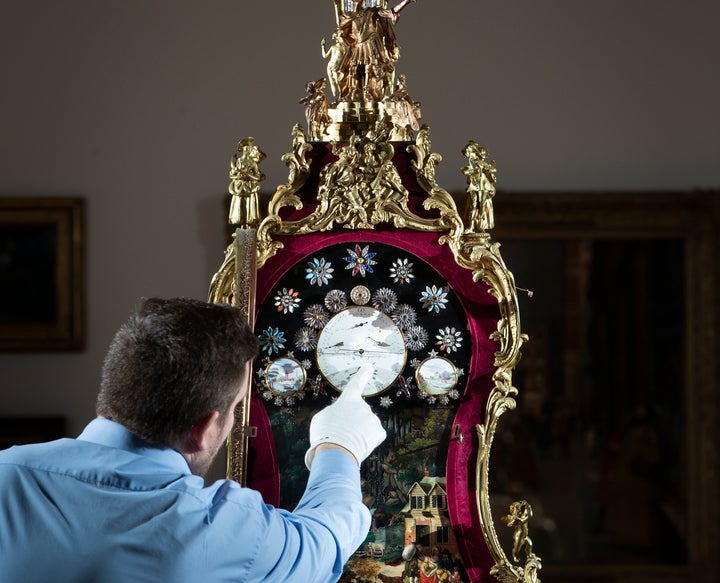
(348, 422)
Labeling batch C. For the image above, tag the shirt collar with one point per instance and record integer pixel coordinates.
(112, 434)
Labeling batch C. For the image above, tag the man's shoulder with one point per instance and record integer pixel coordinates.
(91, 462)
(61, 456)
(20, 454)
(66, 456)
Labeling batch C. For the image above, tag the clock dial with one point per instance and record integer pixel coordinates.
(358, 335)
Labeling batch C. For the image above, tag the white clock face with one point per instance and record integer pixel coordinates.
(356, 336)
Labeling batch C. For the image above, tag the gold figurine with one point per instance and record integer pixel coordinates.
(334, 67)
(520, 515)
(372, 51)
(316, 108)
(245, 178)
(406, 112)
(481, 178)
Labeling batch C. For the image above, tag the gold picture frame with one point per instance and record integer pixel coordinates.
(41, 273)
(550, 240)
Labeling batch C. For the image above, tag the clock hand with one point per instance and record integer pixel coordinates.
(378, 342)
(338, 349)
(362, 350)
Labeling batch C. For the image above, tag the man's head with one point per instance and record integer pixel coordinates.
(173, 365)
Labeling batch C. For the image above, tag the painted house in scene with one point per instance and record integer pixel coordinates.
(427, 521)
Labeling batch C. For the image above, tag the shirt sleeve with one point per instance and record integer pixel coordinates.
(313, 542)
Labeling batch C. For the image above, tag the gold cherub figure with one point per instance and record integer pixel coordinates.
(520, 515)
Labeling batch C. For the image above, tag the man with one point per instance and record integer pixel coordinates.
(124, 502)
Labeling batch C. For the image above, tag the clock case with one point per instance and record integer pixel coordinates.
(316, 210)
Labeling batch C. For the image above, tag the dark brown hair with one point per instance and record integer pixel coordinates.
(172, 363)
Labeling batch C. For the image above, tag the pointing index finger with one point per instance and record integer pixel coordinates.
(357, 383)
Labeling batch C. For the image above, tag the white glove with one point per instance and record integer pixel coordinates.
(348, 422)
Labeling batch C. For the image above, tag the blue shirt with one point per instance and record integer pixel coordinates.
(110, 508)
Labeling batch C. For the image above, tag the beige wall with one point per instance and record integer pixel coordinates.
(138, 105)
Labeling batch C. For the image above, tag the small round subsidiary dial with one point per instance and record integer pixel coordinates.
(436, 376)
(285, 376)
(356, 336)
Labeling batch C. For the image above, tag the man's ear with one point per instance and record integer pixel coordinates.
(201, 434)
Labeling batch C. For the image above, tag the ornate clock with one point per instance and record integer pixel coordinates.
(361, 256)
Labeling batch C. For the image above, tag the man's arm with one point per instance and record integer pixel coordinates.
(314, 542)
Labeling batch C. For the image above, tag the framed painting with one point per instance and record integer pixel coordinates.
(614, 440)
(41, 273)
